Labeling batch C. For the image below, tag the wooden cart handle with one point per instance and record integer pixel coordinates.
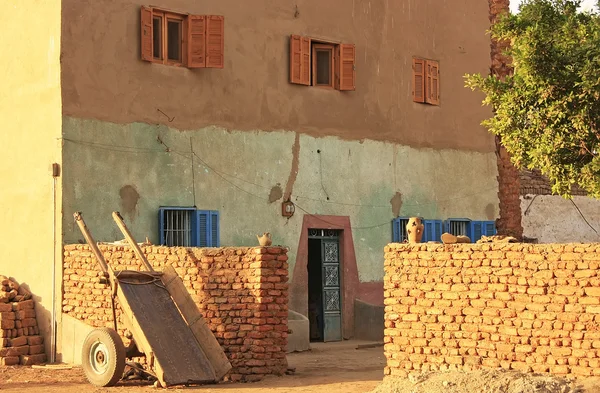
(136, 248)
(93, 245)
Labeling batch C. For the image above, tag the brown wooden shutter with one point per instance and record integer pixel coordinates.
(418, 80)
(306, 61)
(146, 41)
(347, 60)
(196, 41)
(215, 41)
(300, 60)
(432, 95)
(336, 67)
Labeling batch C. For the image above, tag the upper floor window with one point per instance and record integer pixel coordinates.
(172, 38)
(426, 81)
(323, 64)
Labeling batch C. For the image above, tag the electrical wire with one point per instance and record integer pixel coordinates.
(582, 216)
(530, 203)
(222, 175)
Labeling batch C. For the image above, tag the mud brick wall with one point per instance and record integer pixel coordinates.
(241, 292)
(512, 306)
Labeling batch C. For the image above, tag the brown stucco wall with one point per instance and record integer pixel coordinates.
(104, 78)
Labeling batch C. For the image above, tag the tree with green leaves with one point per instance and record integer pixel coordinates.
(547, 112)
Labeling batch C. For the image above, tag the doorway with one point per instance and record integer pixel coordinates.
(324, 285)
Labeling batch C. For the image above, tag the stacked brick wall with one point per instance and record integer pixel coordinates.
(20, 342)
(534, 183)
(241, 292)
(509, 222)
(512, 306)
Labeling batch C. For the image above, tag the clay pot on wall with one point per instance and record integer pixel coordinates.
(414, 230)
(265, 239)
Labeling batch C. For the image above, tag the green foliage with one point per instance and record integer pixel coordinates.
(547, 113)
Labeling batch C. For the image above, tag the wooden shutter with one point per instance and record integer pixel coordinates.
(300, 60)
(432, 94)
(476, 231)
(146, 40)
(347, 60)
(489, 228)
(418, 80)
(215, 240)
(433, 231)
(215, 41)
(196, 41)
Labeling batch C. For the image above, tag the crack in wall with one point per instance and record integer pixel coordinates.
(294, 170)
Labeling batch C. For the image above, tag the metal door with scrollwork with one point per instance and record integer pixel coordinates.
(332, 310)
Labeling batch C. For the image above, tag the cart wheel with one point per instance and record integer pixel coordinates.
(103, 357)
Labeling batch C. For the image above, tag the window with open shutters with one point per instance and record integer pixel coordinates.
(174, 38)
(322, 64)
(473, 229)
(433, 229)
(188, 227)
(426, 81)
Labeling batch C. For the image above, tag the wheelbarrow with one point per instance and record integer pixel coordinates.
(163, 322)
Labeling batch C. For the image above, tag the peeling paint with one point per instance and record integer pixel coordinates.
(275, 194)
(129, 200)
(396, 202)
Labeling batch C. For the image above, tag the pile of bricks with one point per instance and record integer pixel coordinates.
(514, 306)
(241, 292)
(20, 342)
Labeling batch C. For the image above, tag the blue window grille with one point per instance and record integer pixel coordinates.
(458, 227)
(188, 227)
(473, 229)
(399, 234)
(431, 232)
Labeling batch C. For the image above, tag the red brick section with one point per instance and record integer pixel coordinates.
(509, 222)
(534, 183)
(515, 306)
(20, 342)
(241, 292)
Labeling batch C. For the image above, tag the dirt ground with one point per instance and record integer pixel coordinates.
(332, 367)
(487, 381)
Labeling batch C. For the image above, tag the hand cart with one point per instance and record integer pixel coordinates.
(165, 325)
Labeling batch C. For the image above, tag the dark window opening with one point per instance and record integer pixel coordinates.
(174, 30)
(176, 227)
(322, 58)
(323, 67)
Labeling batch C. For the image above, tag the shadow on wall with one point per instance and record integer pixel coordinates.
(368, 321)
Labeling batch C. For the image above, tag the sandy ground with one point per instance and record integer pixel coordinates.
(487, 381)
(332, 367)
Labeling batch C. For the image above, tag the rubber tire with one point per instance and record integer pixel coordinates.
(115, 358)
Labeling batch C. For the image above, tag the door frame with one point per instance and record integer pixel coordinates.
(348, 268)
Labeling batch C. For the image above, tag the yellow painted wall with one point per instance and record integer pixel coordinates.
(30, 113)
